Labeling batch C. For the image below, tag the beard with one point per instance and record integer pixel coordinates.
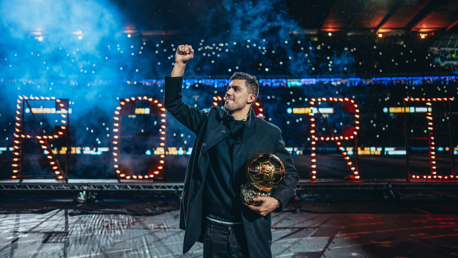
(233, 105)
(229, 105)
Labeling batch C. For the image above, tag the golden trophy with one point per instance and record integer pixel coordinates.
(265, 172)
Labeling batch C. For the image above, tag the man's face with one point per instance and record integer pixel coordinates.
(236, 96)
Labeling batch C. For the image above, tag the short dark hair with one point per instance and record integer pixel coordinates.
(251, 82)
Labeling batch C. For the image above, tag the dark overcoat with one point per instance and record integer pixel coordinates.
(259, 136)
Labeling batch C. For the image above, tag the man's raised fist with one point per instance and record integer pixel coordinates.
(184, 54)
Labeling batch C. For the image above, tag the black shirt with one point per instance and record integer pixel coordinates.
(221, 194)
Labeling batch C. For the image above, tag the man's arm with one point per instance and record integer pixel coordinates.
(178, 70)
(183, 55)
(191, 117)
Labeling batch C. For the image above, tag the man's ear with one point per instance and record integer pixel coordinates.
(251, 99)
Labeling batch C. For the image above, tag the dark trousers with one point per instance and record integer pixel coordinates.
(224, 240)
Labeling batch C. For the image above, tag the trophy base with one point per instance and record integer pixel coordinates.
(248, 192)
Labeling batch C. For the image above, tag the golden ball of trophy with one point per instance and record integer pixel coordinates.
(265, 172)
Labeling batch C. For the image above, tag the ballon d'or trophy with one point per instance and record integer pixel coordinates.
(265, 172)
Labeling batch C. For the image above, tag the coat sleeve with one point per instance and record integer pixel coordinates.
(287, 187)
(191, 117)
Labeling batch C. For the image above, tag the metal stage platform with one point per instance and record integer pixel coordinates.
(303, 185)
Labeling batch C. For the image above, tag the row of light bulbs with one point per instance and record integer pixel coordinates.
(116, 139)
(333, 138)
(432, 147)
(43, 139)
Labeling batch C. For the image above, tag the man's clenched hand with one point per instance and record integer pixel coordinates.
(268, 205)
(184, 54)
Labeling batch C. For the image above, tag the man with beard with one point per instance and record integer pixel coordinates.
(211, 211)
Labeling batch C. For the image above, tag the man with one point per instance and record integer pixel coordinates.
(211, 211)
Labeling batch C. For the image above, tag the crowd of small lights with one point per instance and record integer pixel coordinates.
(432, 145)
(320, 57)
(335, 138)
(42, 139)
(445, 58)
(117, 139)
(414, 84)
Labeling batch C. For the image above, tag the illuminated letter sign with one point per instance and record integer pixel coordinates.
(350, 132)
(128, 107)
(432, 147)
(20, 135)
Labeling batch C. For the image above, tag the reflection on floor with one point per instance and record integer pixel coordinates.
(321, 225)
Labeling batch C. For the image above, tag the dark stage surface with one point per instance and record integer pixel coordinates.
(320, 224)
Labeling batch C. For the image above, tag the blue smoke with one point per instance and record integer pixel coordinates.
(82, 50)
(259, 19)
(263, 32)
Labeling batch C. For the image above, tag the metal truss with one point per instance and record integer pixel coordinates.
(91, 187)
(379, 185)
(302, 186)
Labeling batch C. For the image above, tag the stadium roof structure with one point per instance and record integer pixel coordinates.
(377, 16)
(433, 22)
(425, 23)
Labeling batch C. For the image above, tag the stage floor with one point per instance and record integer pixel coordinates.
(331, 224)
